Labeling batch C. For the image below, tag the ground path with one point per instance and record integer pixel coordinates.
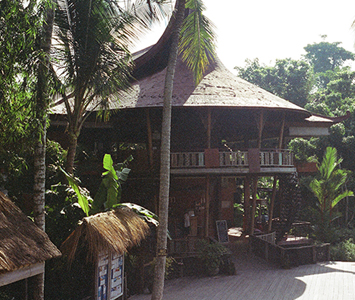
(255, 279)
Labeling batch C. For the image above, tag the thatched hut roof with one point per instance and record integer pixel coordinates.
(22, 242)
(115, 231)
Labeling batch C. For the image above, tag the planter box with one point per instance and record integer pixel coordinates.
(290, 255)
(308, 167)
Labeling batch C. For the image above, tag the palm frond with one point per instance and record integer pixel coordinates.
(197, 40)
(341, 197)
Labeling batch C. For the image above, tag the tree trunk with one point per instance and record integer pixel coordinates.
(158, 287)
(42, 104)
(73, 143)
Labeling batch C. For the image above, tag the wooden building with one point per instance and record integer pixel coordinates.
(24, 247)
(226, 133)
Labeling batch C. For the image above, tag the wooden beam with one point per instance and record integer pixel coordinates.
(253, 210)
(260, 125)
(272, 203)
(282, 130)
(246, 219)
(209, 127)
(20, 274)
(150, 139)
(207, 210)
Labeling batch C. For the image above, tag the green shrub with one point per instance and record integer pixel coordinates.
(344, 251)
(210, 255)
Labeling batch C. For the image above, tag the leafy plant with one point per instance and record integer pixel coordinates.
(210, 255)
(344, 251)
(327, 185)
(109, 194)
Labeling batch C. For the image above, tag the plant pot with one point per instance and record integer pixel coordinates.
(213, 271)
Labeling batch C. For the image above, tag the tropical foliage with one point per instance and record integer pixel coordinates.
(109, 194)
(92, 63)
(327, 186)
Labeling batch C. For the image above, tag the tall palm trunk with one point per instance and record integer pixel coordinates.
(165, 157)
(40, 147)
(73, 143)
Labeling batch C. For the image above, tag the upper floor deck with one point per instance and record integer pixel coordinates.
(215, 161)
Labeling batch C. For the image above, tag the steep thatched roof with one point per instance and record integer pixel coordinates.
(22, 242)
(115, 230)
(218, 88)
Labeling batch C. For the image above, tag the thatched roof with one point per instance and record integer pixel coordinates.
(115, 231)
(218, 88)
(22, 242)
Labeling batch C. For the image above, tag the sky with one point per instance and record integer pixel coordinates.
(273, 29)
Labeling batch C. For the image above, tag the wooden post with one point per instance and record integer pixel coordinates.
(260, 124)
(150, 139)
(207, 210)
(253, 210)
(246, 221)
(271, 210)
(26, 289)
(282, 129)
(209, 127)
(260, 127)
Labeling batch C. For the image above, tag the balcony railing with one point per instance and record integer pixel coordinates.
(233, 159)
(187, 159)
(268, 158)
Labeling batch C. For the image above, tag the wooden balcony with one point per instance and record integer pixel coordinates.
(214, 161)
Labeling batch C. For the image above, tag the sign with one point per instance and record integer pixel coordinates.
(110, 276)
(222, 231)
(117, 276)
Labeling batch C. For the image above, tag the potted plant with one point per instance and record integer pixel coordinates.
(210, 256)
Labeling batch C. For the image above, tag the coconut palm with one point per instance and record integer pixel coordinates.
(92, 59)
(196, 45)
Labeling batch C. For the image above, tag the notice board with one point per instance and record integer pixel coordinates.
(222, 231)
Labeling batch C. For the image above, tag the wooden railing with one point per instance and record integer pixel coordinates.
(268, 158)
(238, 159)
(187, 159)
(269, 237)
(276, 158)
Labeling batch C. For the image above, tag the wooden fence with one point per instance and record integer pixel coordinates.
(289, 255)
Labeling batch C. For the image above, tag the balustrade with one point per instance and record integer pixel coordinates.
(268, 158)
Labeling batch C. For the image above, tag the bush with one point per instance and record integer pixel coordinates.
(344, 251)
(210, 255)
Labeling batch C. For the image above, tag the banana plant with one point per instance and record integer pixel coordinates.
(109, 194)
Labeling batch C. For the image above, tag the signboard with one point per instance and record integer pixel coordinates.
(116, 276)
(222, 231)
(110, 276)
(102, 276)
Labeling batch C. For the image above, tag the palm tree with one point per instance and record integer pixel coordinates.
(41, 101)
(196, 45)
(327, 186)
(93, 61)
